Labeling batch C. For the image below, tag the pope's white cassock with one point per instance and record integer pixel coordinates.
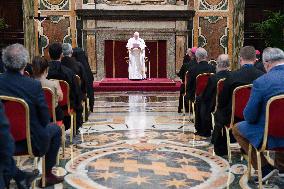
(136, 49)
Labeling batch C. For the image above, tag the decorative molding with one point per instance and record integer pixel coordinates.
(136, 14)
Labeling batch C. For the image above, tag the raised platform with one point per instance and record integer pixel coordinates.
(124, 84)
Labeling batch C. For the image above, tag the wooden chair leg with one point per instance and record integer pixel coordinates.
(63, 140)
(43, 177)
(84, 111)
(75, 124)
(249, 162)
(228, 145)
(71, 128)
(183, 105)
(259, 170)
(193, 114)
(213, 120)
(87, 107)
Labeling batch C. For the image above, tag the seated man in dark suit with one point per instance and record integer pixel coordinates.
(82, 58)
(188, 63)
(60, 72)
(202, 66)
(243, 76)
(8, 169)
(75, 66)
(252, 129)
(46, 137)
(206, 104)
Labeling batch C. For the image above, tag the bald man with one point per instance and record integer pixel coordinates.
(136, 48)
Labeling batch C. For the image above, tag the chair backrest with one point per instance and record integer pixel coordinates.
(219, 88)
(26, 73)
(78, 79)
(240, 99)
(66, 94)
(274, 119)
(201, 82)
(186, 78)
(18, 115)
(50, 101)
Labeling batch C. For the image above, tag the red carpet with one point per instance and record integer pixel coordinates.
(124, 84)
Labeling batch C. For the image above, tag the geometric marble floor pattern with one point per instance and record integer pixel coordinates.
(138, 140)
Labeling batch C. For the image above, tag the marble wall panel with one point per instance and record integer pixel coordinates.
(211, 33)
(92, 52)
(180, 51)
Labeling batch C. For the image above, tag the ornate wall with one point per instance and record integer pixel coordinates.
(217, 26)
(238, 38)
(60, 25)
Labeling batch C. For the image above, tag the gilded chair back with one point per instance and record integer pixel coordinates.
(240, 99)
(66, 94)
(274, 120)
(18, 114)
(220, 86)
(201, 82)
(186, 78)
(78, 79)
(50, 100)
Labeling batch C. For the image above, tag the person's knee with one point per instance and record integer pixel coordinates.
(55, 130)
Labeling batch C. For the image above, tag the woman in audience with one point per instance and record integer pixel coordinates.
(40, 72)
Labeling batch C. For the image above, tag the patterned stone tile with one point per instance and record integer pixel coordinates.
(145, 148)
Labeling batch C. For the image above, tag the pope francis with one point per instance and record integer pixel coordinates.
(136, 48)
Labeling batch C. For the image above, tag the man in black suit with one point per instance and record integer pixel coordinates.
(188, 63)
(46, 137)
(243, 76)
(76, 67)
(61, 72)
(82, 58)
(202, 66)
(207, 101)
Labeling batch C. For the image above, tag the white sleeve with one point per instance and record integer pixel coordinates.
(142, 46)
(129, 44)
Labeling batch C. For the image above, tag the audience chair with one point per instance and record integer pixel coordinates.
(50, 100)
(66, 103)
(274, 121)
(201, 83)
(220, 85)
(18, 115)
(185, 88)
(84, 102)
(240, 99)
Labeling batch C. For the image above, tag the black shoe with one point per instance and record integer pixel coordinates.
(51, 180)
(267, 172)
(27, 181)
(179, 111)
(221, 152)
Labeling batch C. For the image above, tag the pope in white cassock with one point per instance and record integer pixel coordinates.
(136, 48)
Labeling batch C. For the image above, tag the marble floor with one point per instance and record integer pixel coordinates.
(138, 140)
